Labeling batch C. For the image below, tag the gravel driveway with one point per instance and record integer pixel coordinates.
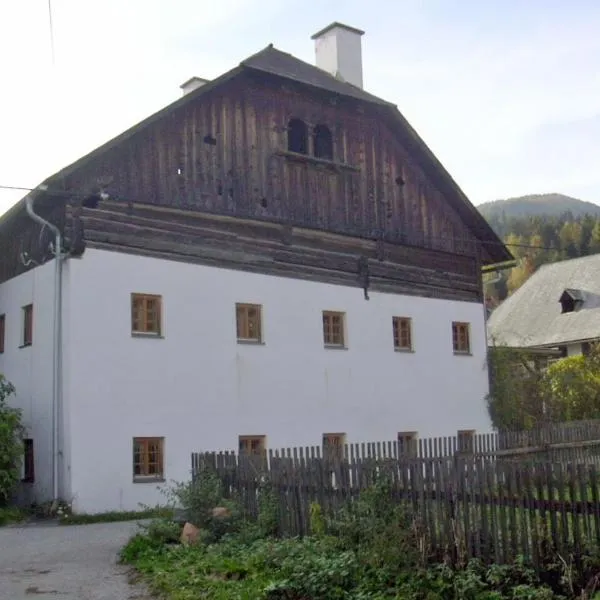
(75, 562)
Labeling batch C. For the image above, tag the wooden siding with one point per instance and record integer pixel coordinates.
(247, 171)
(262, 247)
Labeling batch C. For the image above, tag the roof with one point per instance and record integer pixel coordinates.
(274, 62)
(532, 316)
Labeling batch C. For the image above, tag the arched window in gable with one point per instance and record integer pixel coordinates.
(323, 142)
(297, 136)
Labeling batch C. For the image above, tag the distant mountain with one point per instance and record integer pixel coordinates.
(551, 205)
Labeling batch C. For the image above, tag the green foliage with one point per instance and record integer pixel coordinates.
(115, 516)
(11, 443)
(571, 388)
(11, 514)
(522, 393)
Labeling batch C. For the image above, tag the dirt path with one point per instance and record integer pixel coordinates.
(78, 562)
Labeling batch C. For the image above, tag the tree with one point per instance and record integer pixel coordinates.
(11, 443)
(523, 393)
(571, 388)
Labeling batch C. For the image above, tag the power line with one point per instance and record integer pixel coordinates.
(51, 30)
(43, 188)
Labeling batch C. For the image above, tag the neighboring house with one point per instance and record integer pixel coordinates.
(555, 312)
(275, 259)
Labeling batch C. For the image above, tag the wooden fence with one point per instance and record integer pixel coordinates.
(492, 499)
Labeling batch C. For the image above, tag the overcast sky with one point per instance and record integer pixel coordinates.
(505, 92)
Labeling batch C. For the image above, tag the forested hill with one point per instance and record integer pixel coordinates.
(548, 205)
(540, 229)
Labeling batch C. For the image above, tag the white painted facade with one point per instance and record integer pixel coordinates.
(200, 389)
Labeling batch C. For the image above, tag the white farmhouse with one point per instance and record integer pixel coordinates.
(275, 259)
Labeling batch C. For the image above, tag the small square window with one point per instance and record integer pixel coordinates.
(2, 332)
(146, 312)
(333, 445)
(333, 328)
(148, 459)
(28, 325)
(28, 470)
(466, 441)
(408, 444)
(252, 445)
(402, 329)
(249, 322)
(460, 338)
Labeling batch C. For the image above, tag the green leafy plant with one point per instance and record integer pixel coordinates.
(11, 443)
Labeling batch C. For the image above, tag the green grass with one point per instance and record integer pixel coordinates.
(114, 516)
(10, 515)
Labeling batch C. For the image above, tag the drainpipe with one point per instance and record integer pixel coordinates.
(56, 333)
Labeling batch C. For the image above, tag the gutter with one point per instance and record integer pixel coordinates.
(56, 333)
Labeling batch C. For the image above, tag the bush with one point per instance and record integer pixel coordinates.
(11, 443)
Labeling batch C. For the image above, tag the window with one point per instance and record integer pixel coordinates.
(333, 328)
(466, 441)
(28, 325)
(145, 314)
(249, 326)
(2, 331)
(27, 470)
(148, 458)
(408, 444)
(253, 445)
(322, 142)
(333, 445)
(402, 333)
(297, 136)
(460, 338)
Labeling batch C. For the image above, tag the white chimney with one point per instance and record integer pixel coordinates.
(339, 52)
(192, 84)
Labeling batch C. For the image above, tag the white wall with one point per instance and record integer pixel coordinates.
(29, 368)
(200, 389)
(574, 349)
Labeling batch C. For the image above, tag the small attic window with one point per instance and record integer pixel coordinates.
(297, 136)
(571, 300)
(323, 142)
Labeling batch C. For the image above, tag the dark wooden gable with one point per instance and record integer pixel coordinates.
(224, 151)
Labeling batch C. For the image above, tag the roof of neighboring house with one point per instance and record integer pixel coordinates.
(533, 317)
(272, 61)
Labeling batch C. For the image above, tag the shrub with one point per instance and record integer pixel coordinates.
(11, 443)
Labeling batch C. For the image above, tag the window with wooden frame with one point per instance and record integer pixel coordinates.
(249, 322)
(460, 338)
(408, 444)
(333, 328)
(27, 325)
(148, 458)
(146, 314)
(466, 441)
(402, 328)
(252, 445)
(2, 332)
(28, 470)
(333, 445)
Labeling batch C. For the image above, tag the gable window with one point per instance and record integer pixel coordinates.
(252, 445)
(146, 314)
(333, 328)
(402, 328)
(333, 445)
(322, 142)
(408, 444)
(148, 458)
(466, 441)
(571, 300)
(297, 136)
(249, 326)
(2, 331)
(27, 325)
(460, 338)
(27, 469)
